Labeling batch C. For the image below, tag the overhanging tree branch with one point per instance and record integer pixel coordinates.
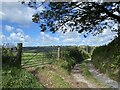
(109, 13)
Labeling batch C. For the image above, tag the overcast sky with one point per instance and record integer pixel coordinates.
(17, 26)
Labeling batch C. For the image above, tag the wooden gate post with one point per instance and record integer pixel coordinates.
(19, 54)
(58, 56)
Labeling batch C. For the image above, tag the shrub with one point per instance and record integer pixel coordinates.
(8, 57)
(71, 56)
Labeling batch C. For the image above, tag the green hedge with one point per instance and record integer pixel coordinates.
(107, 58)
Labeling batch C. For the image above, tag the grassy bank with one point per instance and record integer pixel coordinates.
(107, 59)
(13, 77)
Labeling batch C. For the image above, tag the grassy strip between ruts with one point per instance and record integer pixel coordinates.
(13, 77)
(85, 72)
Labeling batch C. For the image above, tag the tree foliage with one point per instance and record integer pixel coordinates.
(89, 17)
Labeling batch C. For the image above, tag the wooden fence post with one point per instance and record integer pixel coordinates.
(19, 54)
(58, 56)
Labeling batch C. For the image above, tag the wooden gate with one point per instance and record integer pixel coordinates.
(38, 56)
